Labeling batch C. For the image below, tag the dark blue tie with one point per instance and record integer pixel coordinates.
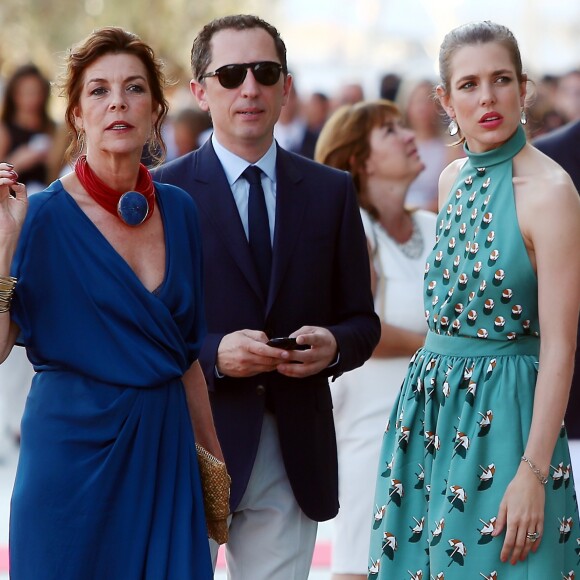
(258, 226)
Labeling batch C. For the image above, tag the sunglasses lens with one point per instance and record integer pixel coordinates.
(232, 75)
(267, 73)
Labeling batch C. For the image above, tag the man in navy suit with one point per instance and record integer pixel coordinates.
(563, 146)
(272, 406)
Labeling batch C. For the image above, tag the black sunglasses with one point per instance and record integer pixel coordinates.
(231, 76)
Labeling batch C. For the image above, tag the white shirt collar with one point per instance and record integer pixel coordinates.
(234, 166)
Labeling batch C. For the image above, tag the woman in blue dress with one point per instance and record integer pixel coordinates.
(104, 289)
(474, 479)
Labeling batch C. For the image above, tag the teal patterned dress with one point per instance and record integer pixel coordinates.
(456, 435)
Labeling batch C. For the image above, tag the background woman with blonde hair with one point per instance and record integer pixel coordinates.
(425, 117)
(368, 140)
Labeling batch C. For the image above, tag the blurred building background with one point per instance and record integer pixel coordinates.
(330, 42)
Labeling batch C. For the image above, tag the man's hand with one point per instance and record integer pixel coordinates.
(322, 353)
(244, 353)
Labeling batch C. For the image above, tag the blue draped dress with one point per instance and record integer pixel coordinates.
(107, 485)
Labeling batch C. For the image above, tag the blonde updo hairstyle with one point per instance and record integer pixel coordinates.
(477, 33)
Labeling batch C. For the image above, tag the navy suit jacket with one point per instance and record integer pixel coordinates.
(563, 146)
(320, 277)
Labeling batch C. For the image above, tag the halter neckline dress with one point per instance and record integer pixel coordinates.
(456, 435)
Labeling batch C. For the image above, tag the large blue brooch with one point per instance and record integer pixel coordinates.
(133, 208)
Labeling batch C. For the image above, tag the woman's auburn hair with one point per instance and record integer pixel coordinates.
(113, 40)
(344, 141)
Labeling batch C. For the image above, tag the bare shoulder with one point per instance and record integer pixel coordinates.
(448, 177)
(548, 205)
(541, 182)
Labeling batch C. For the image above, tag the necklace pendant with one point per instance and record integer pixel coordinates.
(133, 208)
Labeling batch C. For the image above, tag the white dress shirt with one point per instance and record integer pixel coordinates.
(234, 166)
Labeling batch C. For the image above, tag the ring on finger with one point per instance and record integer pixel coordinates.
(532, 536)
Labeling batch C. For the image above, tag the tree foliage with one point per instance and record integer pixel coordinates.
(42, 30)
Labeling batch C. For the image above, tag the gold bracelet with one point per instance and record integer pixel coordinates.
(543, 479)
(7, 282)
(7, 286)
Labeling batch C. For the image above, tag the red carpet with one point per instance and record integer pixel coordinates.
(321, 557)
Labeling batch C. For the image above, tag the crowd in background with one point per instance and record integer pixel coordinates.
(35, 142)
(396, 173)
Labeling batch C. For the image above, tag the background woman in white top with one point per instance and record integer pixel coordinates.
(368, 140)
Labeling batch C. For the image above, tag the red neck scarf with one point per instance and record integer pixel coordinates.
(109, 198)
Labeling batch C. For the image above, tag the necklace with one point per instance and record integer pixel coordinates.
(413, 247)
(132, 207)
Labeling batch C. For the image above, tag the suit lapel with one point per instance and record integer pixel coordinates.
(291, 204)
(214, 198)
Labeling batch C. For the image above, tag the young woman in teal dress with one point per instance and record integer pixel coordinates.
(104, 290)
(474, 479)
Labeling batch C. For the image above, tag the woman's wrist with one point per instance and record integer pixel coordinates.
(8, 245)
(539, 474)
(7, 286)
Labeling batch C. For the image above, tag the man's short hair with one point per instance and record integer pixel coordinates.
(201, 50)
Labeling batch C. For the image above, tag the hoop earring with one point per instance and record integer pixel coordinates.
(523, 117)
(80, 142)
(453, 128)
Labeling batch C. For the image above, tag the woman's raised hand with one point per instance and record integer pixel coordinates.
(13, 203)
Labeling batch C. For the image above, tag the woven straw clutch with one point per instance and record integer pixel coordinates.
(215, 484)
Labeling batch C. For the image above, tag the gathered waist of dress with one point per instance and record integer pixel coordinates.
(468, 347)
(53, 373)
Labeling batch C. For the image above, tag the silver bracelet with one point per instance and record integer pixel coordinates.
(543, 479)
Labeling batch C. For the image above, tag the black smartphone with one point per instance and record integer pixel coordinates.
(287, 343)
